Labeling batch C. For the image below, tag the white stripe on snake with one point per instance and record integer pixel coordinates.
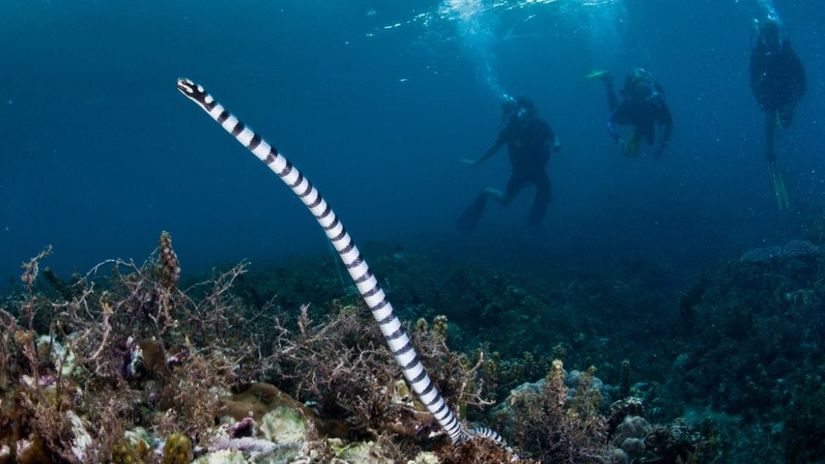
(394, 333)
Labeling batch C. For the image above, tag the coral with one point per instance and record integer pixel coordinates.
(131, 451)
(629, 406)
(83, 377)
(814, 226)
(177, 450)
(63, 289)
(359, 385)
(169, 269)
(478, 450)
(552, 428)
(678, 442)
(624, 386)
(805, 425)
(630, 435)
(191, 399)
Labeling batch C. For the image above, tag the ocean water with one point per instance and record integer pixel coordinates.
(376, 102)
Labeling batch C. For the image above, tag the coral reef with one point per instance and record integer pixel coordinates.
(112, 374)
(127, 360)
(751, 341)
(112, 356)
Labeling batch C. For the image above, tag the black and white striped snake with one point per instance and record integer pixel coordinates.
(394, 333)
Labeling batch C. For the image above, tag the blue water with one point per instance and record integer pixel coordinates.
(376, 102)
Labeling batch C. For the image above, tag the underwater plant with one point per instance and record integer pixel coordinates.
(382, 311)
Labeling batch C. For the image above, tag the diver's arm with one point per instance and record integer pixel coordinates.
(490, 152)
(552, 139)
(614, 132)
(798, 73)
(502, 138)
(757, 72)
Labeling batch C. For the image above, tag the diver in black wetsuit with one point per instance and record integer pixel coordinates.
(643, 106)
(529, 141)
(777, 80)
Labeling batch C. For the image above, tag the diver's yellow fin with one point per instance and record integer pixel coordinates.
(632, 147)
(778, 119)
(779, 188)
(597, 74)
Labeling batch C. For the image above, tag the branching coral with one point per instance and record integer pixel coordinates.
(75, 390)
(551, 429)
(361, 384)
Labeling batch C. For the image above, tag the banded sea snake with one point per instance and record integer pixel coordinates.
(394, 333)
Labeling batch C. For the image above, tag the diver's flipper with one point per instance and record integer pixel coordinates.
(597, 74)
(778, 120)
(779, 189)
(631, 148)
(470, 217)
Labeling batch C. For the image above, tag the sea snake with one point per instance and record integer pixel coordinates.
(394, 333)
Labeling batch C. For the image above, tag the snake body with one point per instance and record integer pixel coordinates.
(368, 286)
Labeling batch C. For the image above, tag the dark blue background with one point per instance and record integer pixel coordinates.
(99, 152)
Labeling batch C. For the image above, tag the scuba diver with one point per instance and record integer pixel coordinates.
(529, 141)
(778, 82)
(642, 106)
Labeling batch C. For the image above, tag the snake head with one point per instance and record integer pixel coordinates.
(194, 92)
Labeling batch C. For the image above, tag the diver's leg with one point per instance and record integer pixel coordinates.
(649, 132)
(470, 217)
(632, 145)
(541, 201)
(785, 115)
(514, 186)
(770, 129)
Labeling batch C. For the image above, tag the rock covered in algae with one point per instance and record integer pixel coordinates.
(284, 425)
(425, 457)
(364, 452)
(792, 249)
(57, 353)
(82, 439)
(32, 451)
(258, 400)
(222, 457)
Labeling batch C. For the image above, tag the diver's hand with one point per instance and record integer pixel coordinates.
(468, 162)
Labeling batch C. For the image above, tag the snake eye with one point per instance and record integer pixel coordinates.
(187, 86)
